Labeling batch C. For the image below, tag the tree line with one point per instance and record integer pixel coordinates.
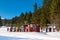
(49, 13)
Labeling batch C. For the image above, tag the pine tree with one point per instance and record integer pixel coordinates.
(35, 7)
(29, 17)
(21, 18)
(0, 21)
(44, 16)
(54, 12)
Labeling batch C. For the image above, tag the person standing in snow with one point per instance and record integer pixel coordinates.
(7, 29)
(46, 29)
(41, 30)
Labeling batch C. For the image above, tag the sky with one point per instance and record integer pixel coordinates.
(12, 8)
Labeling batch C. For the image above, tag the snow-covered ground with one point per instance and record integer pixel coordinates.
(31, 35)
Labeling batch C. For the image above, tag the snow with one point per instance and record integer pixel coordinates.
(31, 35)
(2, 18)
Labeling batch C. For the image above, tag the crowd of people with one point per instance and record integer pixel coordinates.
(21, 29)
(13, 29)
(30, 29)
